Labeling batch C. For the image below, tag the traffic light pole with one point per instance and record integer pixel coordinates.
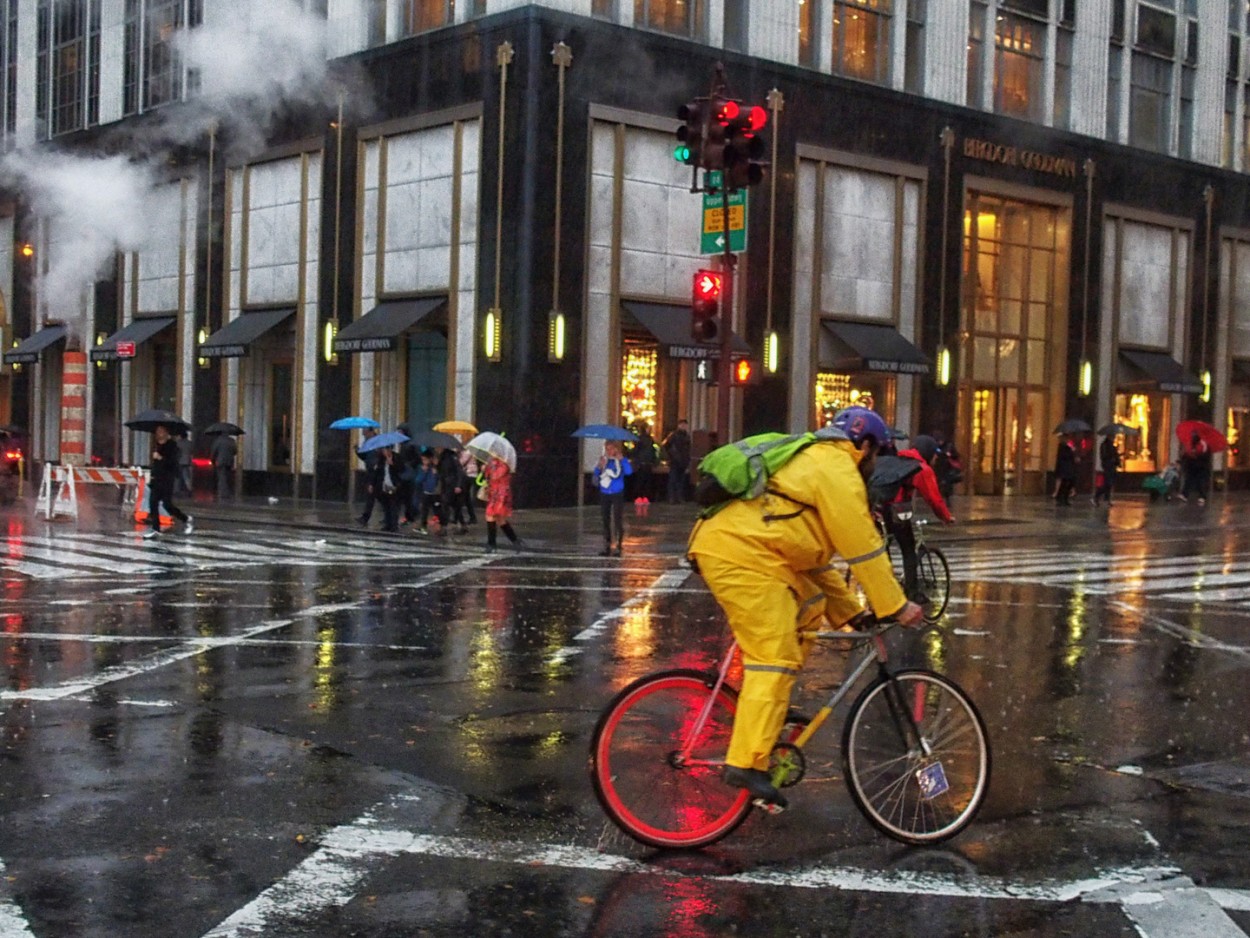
(724, 379)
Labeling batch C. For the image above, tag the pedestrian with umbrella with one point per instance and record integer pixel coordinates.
(1065, 470)
(162, 469)
(1201, 442)
(610, 475)
(1109, 467)
(384, 477)
(370, 457)
(499, 463)
(223, 451)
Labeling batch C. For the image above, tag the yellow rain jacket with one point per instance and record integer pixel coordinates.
(770, 564)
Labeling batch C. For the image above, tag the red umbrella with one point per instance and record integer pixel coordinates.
(1215, 440)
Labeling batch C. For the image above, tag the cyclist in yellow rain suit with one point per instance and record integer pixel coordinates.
(769, 563)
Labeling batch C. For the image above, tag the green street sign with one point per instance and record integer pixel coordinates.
(712, 238)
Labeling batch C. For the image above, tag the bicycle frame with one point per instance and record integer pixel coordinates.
(876, 653)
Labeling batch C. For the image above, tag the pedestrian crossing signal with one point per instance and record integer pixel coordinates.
(746, 371)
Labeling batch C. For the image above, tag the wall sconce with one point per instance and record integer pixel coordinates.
(943, 375)
(494, 334)
(1206, 386)
(555, 336)
(772, 351)
(330, 332)
(100, 365)
(1085, 380)
(16, 366)
(26, 249)
(200, 338)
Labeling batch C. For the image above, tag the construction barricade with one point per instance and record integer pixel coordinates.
(58, 490)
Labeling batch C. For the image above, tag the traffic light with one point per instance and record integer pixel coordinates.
(689, 147)
(705, 306)
(745, 371)
(722, 112)
(744, 147)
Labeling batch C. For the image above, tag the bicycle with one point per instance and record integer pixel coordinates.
(915, 752)
(933, 573)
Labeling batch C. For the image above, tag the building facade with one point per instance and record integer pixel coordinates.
(986, 216)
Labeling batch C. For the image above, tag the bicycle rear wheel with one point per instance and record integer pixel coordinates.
(908, 794)
(934, 575)
(638, 772)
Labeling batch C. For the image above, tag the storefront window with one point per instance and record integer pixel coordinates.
(638, 384)
(835, 391)
(1238, 427)
(1146, 451)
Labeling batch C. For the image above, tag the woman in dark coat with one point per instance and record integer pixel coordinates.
(1065, 471)
(384, 482)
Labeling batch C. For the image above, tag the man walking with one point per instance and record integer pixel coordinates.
(163, 473)
(371, 460)
(677, 449)
(223, 452)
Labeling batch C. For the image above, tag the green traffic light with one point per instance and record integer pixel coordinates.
(681, 154)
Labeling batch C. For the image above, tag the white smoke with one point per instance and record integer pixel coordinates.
(254, 58)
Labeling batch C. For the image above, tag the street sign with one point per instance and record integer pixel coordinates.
(712, 239)
(125, 350)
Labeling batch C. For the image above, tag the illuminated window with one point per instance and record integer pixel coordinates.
(1146, 451)
(835, 391)
(861, 39)
(67, 89)
(1018, 60)
(423, 15)
(678, 17)
(638, 390)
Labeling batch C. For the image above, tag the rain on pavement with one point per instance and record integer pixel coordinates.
(301, 731)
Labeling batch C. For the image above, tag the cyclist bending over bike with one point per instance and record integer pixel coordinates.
(897, 514)
(768, 562)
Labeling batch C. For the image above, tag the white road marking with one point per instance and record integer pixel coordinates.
(329, 878)
(662, 585)
(1174, 908)
(12, 921)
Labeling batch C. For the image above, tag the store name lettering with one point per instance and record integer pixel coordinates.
(1013, 156)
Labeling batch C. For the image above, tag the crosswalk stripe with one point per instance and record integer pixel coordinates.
(61, 558)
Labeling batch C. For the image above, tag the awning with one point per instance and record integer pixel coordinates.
(671, 327)
(27, 353)
(863, 346)
(1156, 370)
(379, 329)
(232, 340)
(129, 337)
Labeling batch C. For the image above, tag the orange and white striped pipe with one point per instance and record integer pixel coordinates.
(74, 410)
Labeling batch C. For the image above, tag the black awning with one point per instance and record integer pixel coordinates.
(864, 346)
(233, 339)
(135, 333)
(379, 329)
(27, 353)
(1156, 370)
(670, 325)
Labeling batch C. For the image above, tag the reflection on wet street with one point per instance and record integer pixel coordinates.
(281, 731)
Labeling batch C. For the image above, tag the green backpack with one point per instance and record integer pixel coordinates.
(742, 469)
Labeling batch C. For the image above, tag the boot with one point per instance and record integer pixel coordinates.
(757, 782)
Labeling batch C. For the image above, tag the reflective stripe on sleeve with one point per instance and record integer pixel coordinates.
(868, 556)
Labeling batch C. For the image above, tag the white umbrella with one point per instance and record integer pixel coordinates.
(486, 445)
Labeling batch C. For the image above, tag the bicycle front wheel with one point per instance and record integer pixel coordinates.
(654, 781)
(934, 575)
(917, 789)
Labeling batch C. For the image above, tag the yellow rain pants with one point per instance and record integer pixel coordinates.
(769, 560)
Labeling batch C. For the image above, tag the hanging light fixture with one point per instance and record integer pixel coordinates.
(943, 376)
(331, 333)
(494, 334)
(1085, 381)
(555, 336)
(772, 351)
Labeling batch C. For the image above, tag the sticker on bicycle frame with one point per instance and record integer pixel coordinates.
(932, 781)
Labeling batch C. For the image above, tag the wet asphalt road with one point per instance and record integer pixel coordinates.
(300, 732)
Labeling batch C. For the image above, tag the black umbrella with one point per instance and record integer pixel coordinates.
(230, 429)
(435, 439)
(1074, 425)
(888, 473)
(149, 420)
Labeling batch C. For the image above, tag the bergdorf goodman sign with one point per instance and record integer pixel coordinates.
(1009, 155)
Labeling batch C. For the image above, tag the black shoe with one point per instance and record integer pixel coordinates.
(617, 552)
(919, 598)
(757, 782)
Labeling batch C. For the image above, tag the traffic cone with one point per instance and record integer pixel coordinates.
(141, 504)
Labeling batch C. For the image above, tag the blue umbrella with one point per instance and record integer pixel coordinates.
(355, 423)
(604, 431)
(394, 438)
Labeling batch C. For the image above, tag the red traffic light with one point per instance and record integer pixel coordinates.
(707, 285)
(728, 111)
(757, 117)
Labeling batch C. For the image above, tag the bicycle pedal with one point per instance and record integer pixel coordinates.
(768, 807)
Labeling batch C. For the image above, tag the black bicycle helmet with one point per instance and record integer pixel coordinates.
(926, 446)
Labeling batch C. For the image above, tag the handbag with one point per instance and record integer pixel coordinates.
(483, 494)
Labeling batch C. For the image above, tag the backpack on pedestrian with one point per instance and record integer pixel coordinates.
(741, 470)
